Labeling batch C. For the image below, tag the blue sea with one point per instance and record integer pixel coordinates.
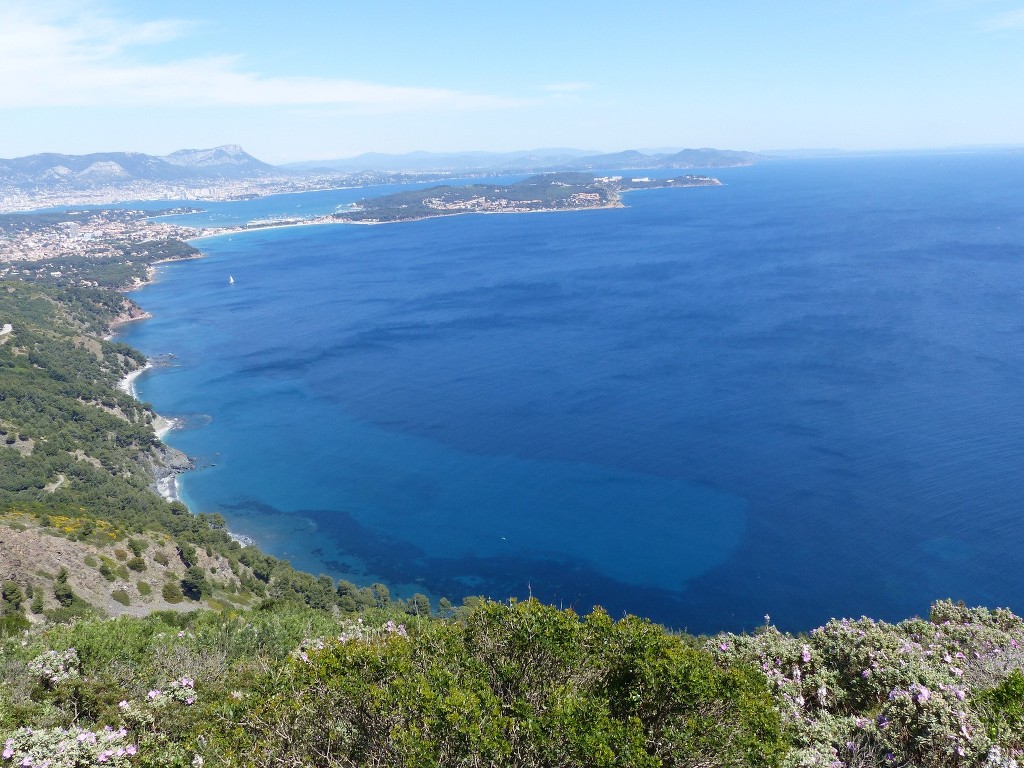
(798, 394)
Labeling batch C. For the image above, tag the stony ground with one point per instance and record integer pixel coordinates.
(32, 554)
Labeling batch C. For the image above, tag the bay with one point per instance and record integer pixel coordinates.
(796, 394)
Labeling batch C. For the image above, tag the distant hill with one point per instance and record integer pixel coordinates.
(448, 161)
(686, 158)
(562, 159)
(230, 159)
(51, 170)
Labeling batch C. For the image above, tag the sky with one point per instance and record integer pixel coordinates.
(311, 80)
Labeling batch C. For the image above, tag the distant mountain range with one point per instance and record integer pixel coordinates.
(534, 160)
(108, 168)
(56, 172)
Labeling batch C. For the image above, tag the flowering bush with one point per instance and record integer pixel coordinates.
(142, 716)
(56, 667)
(353, 631)
(864, 692)
(68, 748)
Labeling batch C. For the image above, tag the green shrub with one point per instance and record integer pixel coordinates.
(11, 597)
(521, 684)
(172, 593)
(12, 624)
(194, 584)
(136, 564)
(137, 546)
(144, 588)
(62, 591)
(1002, 710)
(162, 558)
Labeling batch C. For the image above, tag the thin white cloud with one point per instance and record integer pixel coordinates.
(1004, 21)
(51, 60)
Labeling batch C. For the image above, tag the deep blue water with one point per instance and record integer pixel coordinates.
(801, 393)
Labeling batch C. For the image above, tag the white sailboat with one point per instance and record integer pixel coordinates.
(231, 279)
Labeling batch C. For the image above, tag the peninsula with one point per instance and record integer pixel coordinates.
(545, 192)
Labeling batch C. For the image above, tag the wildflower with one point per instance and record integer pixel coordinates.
(131, 749)
(806, 654)
(723, 647)
(123, 705)
(153, 694)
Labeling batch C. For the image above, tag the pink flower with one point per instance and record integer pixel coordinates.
(806, 654)
(131, 749)
(153, 694)
(723, 647)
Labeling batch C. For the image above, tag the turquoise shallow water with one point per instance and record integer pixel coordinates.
(798, 394)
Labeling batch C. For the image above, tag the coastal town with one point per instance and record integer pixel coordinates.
(84, 246)
(66, 248)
